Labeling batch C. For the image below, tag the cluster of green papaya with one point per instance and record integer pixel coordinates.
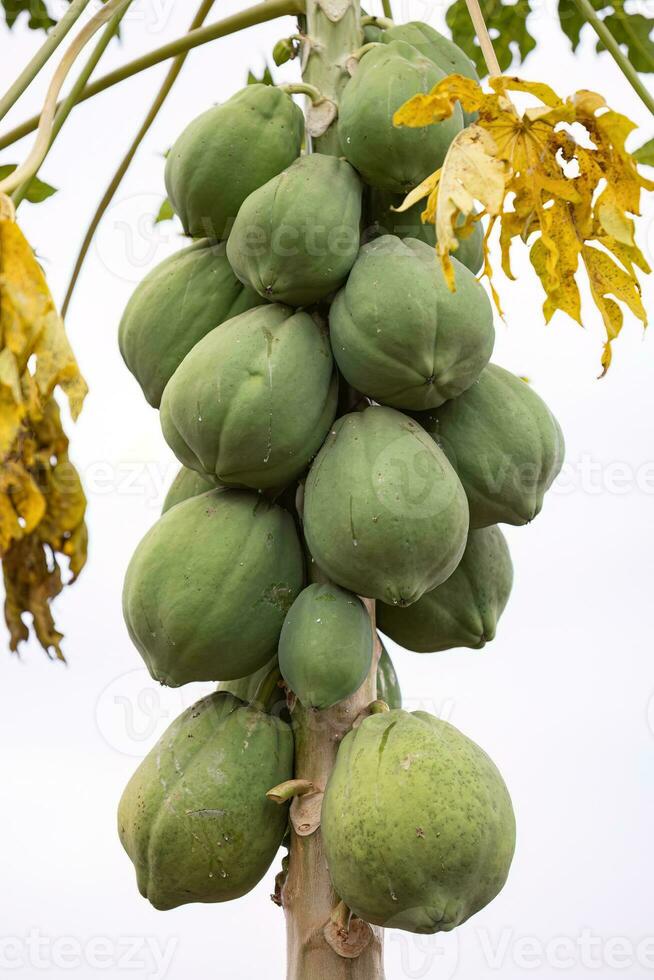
(342, 434)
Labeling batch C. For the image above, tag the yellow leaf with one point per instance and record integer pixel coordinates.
(439, 104)
(560, 196)
(42, 503)
(470, 173)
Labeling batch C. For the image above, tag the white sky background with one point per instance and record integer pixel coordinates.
(562, 700)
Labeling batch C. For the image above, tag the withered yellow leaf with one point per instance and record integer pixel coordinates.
(573, 204)
(42, 503)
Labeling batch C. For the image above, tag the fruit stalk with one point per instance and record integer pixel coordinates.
(308, 897)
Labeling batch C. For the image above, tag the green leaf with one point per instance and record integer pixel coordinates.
(507, 25)
(266, 78)
(165, 212)
(645, 153)
(37, 189)
(39, 18)
(571, 21)
(632, 31)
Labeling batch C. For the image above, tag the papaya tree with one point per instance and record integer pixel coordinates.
(320, 357)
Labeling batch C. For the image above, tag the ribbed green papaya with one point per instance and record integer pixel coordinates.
(447, 55)
(187, 483)
(209, 586)
(194, 818)
(295, 239)
(408, 224)
(417, 824)
(410, 348)
(253, 401)
(384, 515)
(326, 645)
(177, 303)
(229, 151)
(504, 443)
(390, 157)
(464, 610)
(388, 685)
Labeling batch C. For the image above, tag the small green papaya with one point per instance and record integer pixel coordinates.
(209, 586)
(295, 239)
(417, 823)
(408, 224)
(464, 610)
(229, 151)
(326, 645)
(388, 685)
(246, 688)
(178, 302)
(410, 348)
(187, 483)
(389, 157)
(447, 55)
(194, 817)
(384, 515)
(253, 401)
(504, 443)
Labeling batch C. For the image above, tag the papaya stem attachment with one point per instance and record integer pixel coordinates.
(377, 707)
(7, 208)
(385, 23)
(291, 788)
(364, 49)
(303, 88)
(347, 935)
(267, 688)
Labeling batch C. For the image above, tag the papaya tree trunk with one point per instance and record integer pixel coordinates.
(322, 942)
(317, 947)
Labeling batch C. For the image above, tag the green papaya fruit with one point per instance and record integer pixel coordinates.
(209, 586)
(417, 823)
(177, 303)
(326, 645)
(384, 515)
(390, 157)
(186, 484)
(504, 443)
(408, 224)
(296, 238)
(447, 55)
(194, 817)
(253, 401)
(246, 688)
(410, 348)
(464, 610)
(388, 685)
(229, 151)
